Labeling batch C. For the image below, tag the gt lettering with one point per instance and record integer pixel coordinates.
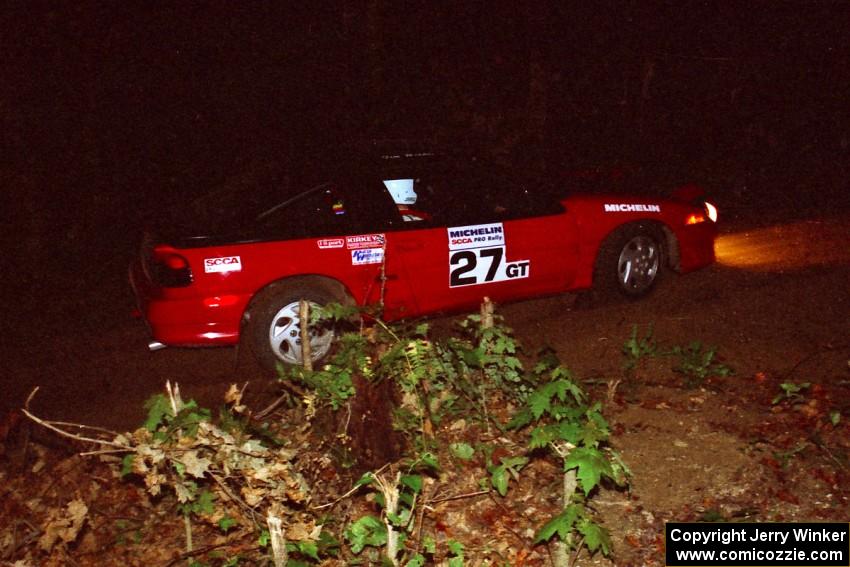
(517, 269)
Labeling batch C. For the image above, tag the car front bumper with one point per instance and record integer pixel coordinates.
(696, 246)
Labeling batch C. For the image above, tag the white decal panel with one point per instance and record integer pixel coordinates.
(476, 236)
(477, 255)
(223, 264)
(364, 256)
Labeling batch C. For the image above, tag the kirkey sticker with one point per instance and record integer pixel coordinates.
(223, 264)
(326, 243)
(364, 241)
(365, 256)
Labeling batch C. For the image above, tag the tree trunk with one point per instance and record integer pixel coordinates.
(373, 442)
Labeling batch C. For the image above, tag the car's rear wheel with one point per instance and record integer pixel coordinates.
(630, 262)
(272, 329)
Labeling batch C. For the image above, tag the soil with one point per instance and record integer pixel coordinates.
(776, 306)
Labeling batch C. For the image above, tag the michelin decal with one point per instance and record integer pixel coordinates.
(634, 208)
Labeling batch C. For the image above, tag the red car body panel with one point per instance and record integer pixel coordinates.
(428, 270)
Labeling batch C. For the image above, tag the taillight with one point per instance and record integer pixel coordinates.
(695, 218)
(170, 269)
(694, 195)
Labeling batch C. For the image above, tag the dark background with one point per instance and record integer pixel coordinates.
(110, 111)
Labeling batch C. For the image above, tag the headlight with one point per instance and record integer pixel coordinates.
(710, 211)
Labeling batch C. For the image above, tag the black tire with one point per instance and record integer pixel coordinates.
(629, 263)
(271, 327)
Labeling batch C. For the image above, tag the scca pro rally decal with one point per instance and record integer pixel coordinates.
(477, 256)
(367, 256)
(364, 241)
(223, 264)
(622, 208)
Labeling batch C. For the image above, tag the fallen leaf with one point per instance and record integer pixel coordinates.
(66, 526)
(195, 465)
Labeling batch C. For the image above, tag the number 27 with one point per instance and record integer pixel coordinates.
(465, 261)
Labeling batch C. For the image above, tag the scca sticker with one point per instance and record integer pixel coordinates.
(223, 264)
(326, 243)
(477, 255)
(364, 256)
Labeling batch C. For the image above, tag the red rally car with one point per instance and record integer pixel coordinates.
(416, 232)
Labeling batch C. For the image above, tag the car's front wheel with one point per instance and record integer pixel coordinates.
(272, 329)
(630, 262)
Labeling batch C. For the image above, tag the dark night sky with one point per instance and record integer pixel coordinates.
(110, 108)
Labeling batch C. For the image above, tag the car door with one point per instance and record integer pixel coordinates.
(484, 237)
(340, 228)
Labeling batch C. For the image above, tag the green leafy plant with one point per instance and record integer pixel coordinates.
(461, 450)
(456, 549)
(165, 419)
(436, 378)
(333, 383)
(240, 475)
(792, 393)
(566, 425)
(507, 468)
(181, 450)
(366, 531)
(574, 520)
(127, 532)
(397, 495)
(495, 352)
(491, 354)
(785, 457)
(697, 362)
(637, 348)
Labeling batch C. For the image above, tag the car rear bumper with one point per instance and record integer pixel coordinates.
(186, 321)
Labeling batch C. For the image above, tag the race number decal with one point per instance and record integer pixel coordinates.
(477, 255)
